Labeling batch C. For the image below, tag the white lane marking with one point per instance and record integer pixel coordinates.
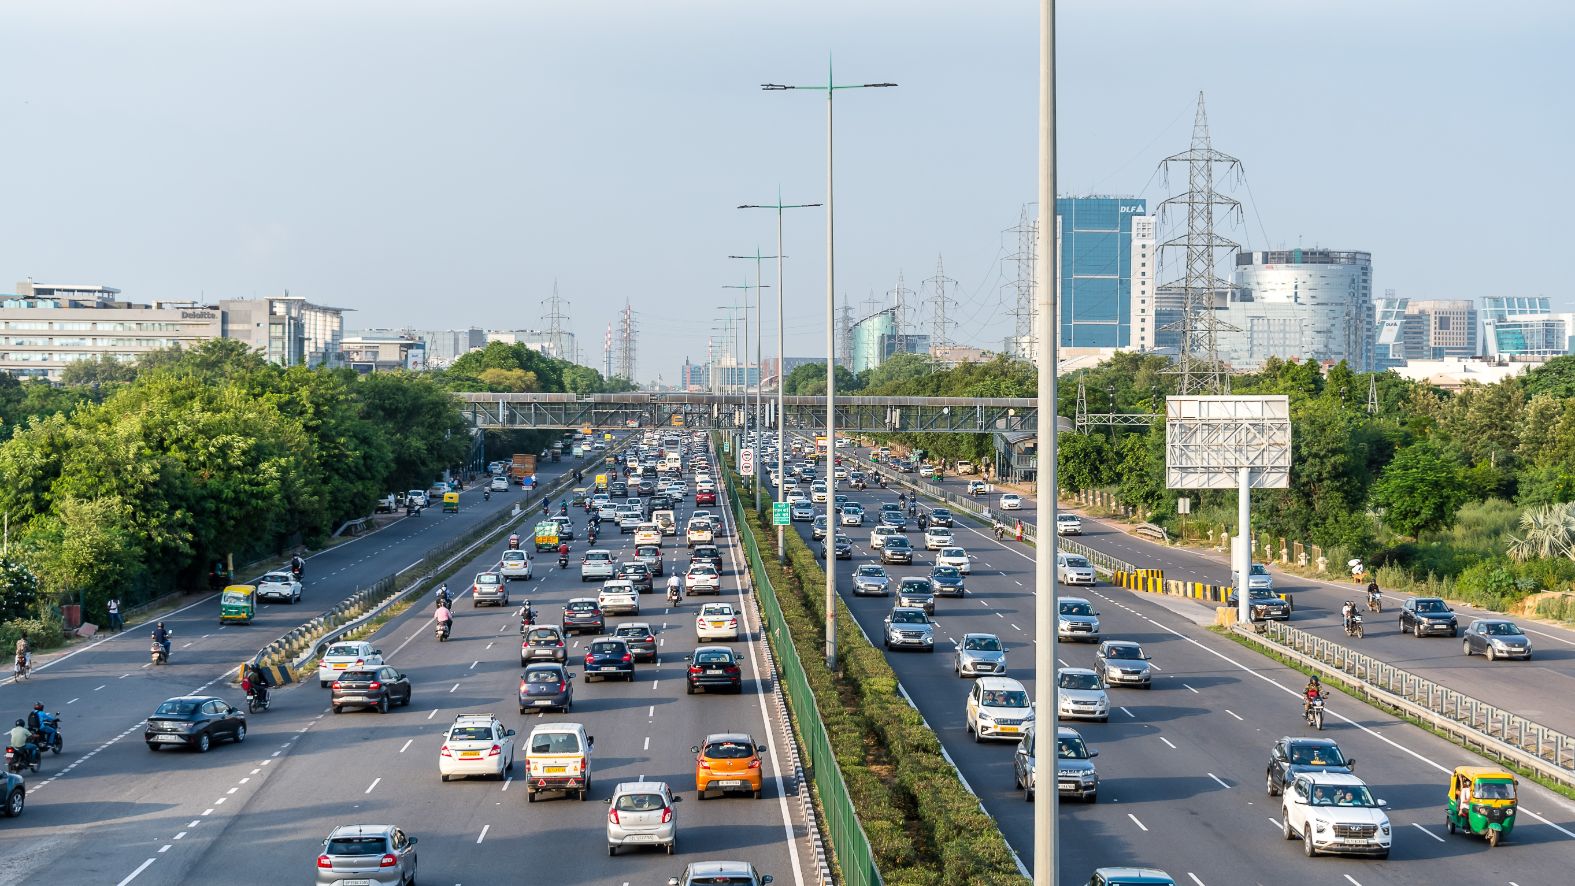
(1276, 823)
(179, 835)
(101, 687)
(247, 778)
(407, 745)
(133, 875)
(1015, 627)
(1220, 780)
(484, 829)
(231, 791)
(1167, 742)
(165, 848)
(1234, 714)
(433, 714)
(651, 714)
(451, 689)
(1427, 832)
(654, 682)
(1136, 822)
(1194, 691)
(647, 743)
(1353, 880)
(473, 665)
(74, 700)
(1194, 878)
(507, 780)
(373, 784)
(1128, 713)
(1156, 667)
(207, 812)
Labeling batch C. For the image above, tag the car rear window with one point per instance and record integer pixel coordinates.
(471, 733)
(357, 846)
(359, 676)
(713, 657)
(581, 607)
(543, 676)
(640, 803)
(543, 635)
(177, 709)
(606, 648)
(729, 750)
(555, 743)
(343, 650)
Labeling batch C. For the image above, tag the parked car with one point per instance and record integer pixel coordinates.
(375, 855)
(194, 721)
(546, 687)
(714, 667)
(379, 688)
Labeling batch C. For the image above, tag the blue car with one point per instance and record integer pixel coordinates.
(609, 658)
(947, 580)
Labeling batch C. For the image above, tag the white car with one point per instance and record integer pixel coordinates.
(926, 470)
(641, 813)
(1068, 524)
(957, 557)
(1074, 569)
(477, 744)
(879, 534)
(1011, 502)
(1335, 813)
(515, 564)
(998, 707)
(1081, 695)
(353, 654)
(716, 621)
(418, 497)
(619, 595)
(648, 534)
(852, 514)
(702, 578)
(498, 484)
(598, 564)
(839, 473)
(937, 537)
(817, 492)
(279, 586)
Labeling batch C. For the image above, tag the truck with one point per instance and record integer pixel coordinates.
(523, 465)
(557, 452)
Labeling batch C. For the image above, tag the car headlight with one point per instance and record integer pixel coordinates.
(1384, 828)
(1094, 624)
(928, 638)
(985, 717)
(1320, 825)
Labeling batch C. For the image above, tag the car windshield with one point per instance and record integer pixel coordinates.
(1259, 569)
(953, 552)
(729, 750)
(1431, 606)
(871, 571)
(1076, 609)
(982, 644)
(945, 572)
(543, 634)
(1316, 755)
(543, 675)
(355, 846)
(1076, 562)
(1501, 629)
(915, 584)
(940, 512)
(554, 743)
(1079, 681)
(1005, 698)
(1123, 651)
(343, 650)
(487, 578)
(470, 733)
(1070, 748)
(181, 708)
(898, 541)
(640, 803)
(713, 656)
(1494, 790)
(630, 631)
(632, 569)
(1342, 795)
(908, 618)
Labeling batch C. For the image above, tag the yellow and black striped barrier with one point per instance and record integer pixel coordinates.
(1198, 590)
(1150, 581)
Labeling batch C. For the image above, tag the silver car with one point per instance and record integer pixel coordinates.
(979, 655)
(1077, 620)
(279, 586)
(1496, 638)
(1124, 663)
(733, 873)
(642, 814)
(910, 627)
(869, 579)
(355, 854)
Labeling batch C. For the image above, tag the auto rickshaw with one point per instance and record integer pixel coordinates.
(450, 502)
(237, 604)
(1481, 802)
(579, 497)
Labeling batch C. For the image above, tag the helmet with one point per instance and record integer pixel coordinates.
(1314, 680)
(161, 624)
(38, 705)
(20, 723)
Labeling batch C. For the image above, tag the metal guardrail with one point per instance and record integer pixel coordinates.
(1473, 722)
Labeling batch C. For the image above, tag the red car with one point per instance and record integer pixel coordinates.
(705, 497)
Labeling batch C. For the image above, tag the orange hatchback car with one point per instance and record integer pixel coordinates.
(728, 761)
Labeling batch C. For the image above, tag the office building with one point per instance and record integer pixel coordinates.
(949, 356)
(1439, 328)
(1299, 304)
(877, 339)
(287, 329)
(1389, 322)
(383, 353)
(1094, 259)
(44, 328)
(1144, 310)
(728, 375)
(557, 345)
(443, 346)
(1503, 307)
(693, 376)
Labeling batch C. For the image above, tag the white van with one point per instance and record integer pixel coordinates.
(558, 758)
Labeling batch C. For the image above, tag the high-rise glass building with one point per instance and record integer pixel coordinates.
(1094, 258)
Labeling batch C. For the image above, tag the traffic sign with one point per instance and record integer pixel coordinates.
(780, 515)
(746, 463)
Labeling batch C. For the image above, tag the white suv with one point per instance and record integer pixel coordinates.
(477, 744)
(1336, 813)
(998, 707)
(598, 564)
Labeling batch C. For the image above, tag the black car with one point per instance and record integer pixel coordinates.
(15, 797)
(707, 554)
(948, 580)
(1264, 604)
(618, 490)
(609, 658)
(1428, 615)
(714, 667)
(1292, 756)
(940, 517)
(637, 574)
(661, 503)
(844, 547)
(379, 688)
(194, 721)
(642, 642)
(897, 549)
(546, 687)
(894, 519)
(651, 556)
(646, 487)
(583, 615)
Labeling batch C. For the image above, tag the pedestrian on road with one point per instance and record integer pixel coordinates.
(115, 623)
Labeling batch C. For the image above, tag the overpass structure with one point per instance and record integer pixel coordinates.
(874, 415)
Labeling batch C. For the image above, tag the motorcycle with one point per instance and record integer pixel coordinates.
(527, 618)
(298, 572)
(1314, 712)
(486, 494)
(1375, 602)
(1353, 626)
(22, 666)
(514, 542)
(442, 630)
(16, 759)
(563, 561)
(257, 698)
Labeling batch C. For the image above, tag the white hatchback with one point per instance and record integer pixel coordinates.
(515, 564)
(477, 744)
(1011, 502)
(879, 534)
(619, 595)
(340, 656)
(716, 621)
(957, 557)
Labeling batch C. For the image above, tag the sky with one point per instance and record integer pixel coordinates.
(443, 164)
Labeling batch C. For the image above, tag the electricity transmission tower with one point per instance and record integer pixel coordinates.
(939, 302)
(1027, 233)
(899, 320)
(555, 320)
(607, 353)
(1198, 362)
(627, 330)
(845, 335)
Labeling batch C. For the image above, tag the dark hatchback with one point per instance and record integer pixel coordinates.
(642, 642)
(646, 487)
(1291, 757)
(637, 574)
(543, 643)
(707, 554)
(618, 490)
(379, 688)
(546, 687)
(194, 721)
(843, 546)
(714, 667)
(897, 549)
(609, 658)
(940, 517)
(948, 580)
(583, 616)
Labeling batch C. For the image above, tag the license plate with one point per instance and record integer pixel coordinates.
(356, 882)
(607, 668)
(551, 769)
(544, 702)
(640, 838)
(729, 784)
(340, 665)
(168, 739)
(718, 624)
(470, 755)
(1006, 728)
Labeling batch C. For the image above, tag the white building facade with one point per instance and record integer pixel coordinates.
(1302, 304)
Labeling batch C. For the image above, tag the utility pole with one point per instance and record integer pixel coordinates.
(899, 302)
(554, 319)
(759, 417)
(939, 302)
(627, 331)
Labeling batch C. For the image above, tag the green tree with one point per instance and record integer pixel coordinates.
(1084, 461)
(1420, 490)
(1555, 378)
(423, 424)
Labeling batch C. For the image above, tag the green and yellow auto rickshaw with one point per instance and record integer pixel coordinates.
(237, 604)
(1482, 802)
(450, 502)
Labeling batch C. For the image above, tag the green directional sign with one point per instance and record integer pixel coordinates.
(780, 515)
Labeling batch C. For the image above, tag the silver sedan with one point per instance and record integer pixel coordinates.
(979, 655)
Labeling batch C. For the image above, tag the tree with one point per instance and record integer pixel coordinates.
(1555, 378)
(18, 590)
(103, 370)
(1083, 461)
(809, 380)
(1420, 490)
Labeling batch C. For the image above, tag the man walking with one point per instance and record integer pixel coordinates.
(115, 623)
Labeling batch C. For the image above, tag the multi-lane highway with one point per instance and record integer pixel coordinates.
(1535, 689)
(1183, 765)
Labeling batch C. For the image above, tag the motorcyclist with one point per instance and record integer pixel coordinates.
(21, 738)
(1373, 594)
(591, 534)
(578, 477)
(563, 508)
(924, 521)
(297, 566)
(514, 541)
(161, 636)
(675, 589)
(563, 555)
(1311, 693)
(1346, 612)
(443, 618)
(24, 653)
(527, 617)
(257, 678)
(486, 493)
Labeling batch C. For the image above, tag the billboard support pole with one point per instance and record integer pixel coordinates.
(1242, 555)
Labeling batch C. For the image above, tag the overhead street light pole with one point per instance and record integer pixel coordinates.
(781, 360)
(760, 373)
(831, 88)
(1046, 839)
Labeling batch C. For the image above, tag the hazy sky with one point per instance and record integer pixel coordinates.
(439, 164)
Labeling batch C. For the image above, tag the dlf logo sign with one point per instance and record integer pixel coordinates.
(1126, 209)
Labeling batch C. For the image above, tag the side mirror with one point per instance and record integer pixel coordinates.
(1350, 763)
(695, 749)
(590, 741)
(1383, 804)
(672, 881)
(608, 801)
(760, 749)
(414, 840)
(508, 732)
(377, 652)
(235, 710)
(1093, 753)
(764, 880)
(677, 798)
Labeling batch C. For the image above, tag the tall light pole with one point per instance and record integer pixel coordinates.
(759, 372)
(831, 88)
(1046, 840)
(781, 359)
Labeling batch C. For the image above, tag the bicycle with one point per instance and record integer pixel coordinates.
(22, 667)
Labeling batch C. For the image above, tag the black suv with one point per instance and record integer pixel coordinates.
(1428, 615)
(638, 574)
(1292, 756)
(379, 688)
(708, 554)
(583, 616)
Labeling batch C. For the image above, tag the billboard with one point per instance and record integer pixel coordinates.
(1209, 439)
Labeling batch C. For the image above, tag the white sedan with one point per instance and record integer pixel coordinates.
(852, 515)
(279, 586)
(955, 557)
(1011, 502)
(937, 537)
(477, 744)
(716, 621)
(702, 578)
(343, 656)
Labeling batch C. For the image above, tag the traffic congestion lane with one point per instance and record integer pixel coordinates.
(1150, 786)
(643, 728)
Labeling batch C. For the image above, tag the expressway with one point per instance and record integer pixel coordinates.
(258, 811)
(1535, 689)
(1183, 765)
